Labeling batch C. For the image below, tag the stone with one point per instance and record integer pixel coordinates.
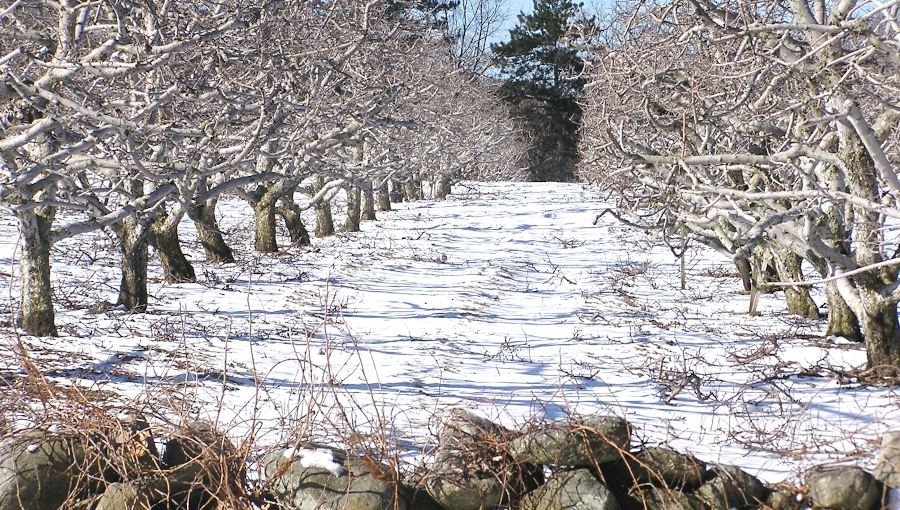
(842, 488)
(662, 467)
(570, 490)
(412, 486)
(464, 428)
(473, 469)
(132, 449)
(659, 498)
(362, 483)
(202, 466)
(123, 496)
(887, 462)
(732, 487)
(674, 469)
(786, 497)
(39, 470)
(455, 483)
(593, 441)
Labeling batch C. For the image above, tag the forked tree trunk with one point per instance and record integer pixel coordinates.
(354, 193)
(204, 216)
(367, 209)
(163, 236)
(133, 238)
(37, 316)
(351, 224)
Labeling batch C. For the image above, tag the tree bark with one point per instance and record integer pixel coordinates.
(787, 265)
(383, 198)
(395, 191)
(133, 237)
(881, 330)
(324, 220)
(877, 313)
(412, 188)
(368, 205)
(163, 236)
(743, 266)
(37, 316)
(442, 186)
(263, 202)
(290, 211)
(841, 319)
(351, 224)
(204, 216)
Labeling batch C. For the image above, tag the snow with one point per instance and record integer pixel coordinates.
(318, 457)
(505, 299)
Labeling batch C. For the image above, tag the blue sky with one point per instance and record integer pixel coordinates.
(514, 7)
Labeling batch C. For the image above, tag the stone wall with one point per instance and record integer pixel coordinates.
(582, 465)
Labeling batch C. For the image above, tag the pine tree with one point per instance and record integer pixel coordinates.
(542, 83)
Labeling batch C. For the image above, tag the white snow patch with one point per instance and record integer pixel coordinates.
(317, 458)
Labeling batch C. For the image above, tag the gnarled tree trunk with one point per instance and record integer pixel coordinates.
(204, 216)
(878, 323)
(263, 201)
(163, 236)
(881, 330)
(875, 309)
(290, 211)
(395, 191)
(787, 266)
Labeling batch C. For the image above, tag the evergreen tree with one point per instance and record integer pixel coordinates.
(542, 83)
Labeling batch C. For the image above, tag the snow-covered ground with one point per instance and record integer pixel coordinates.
(505, 299)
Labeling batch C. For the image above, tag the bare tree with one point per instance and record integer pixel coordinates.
(110, 108)
(470, 27)
(754, 124)
(129, 115)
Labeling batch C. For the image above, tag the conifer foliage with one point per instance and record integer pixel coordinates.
(542, 84)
